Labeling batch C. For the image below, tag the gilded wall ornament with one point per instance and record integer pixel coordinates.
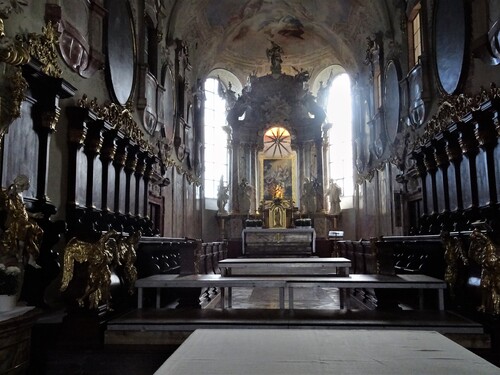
(43, 48)
(487, 254)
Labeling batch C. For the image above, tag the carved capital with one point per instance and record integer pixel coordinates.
(121, 154)
(440, 155)
(429, 159)
(49, 119)
(452, 147)
(94, 140)
(484, 130)
(109, 147)
(467, 140)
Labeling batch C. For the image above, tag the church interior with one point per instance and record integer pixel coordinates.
(178, 173)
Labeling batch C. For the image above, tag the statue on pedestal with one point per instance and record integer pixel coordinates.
(274, 55)
(333, 193)
(308, 197)
(245, 196)
(222, 197)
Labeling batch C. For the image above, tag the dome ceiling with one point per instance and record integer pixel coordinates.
(234, 34)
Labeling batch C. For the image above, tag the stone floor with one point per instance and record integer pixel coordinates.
(52, 355)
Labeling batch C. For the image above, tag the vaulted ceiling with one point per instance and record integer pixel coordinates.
(234, 34)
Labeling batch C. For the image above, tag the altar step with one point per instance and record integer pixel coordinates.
(171, 326)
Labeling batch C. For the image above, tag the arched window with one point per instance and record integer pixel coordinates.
(277, 142)
(216, 153)
(151, 47)
(339, 114)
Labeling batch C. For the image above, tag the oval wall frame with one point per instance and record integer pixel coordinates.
(450, 43)
(120, 46)
(168, 103)
(392, 101)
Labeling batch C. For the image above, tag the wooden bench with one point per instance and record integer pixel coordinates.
(420, 282)
(332, 266)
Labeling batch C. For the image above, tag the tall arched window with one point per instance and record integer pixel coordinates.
(151, 47)
(339, 114)
(216, 154)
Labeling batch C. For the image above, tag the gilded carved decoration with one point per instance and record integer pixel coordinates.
(455, 257)
(10, 106)
(43, 48)
(111, 250)
(21, 236)
(119, 117)
(12, 51)
(127, 255)
(98, 256)
(454, 108)
(487, 254)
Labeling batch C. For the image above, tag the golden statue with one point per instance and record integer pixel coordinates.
(483, 251)
(454, 255)
(127, 247)
(112, 249)
(21, 236)
(99, 256)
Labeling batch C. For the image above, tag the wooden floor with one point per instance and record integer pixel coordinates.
(139, 342)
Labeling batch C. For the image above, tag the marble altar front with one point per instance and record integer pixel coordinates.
(278, 242)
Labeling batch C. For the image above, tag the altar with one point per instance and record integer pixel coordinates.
(278, 242)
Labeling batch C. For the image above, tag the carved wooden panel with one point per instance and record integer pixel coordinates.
(496, 169)
(483, 190)
(465, 178)
(97, 184)
(441, 191)
(452, 187)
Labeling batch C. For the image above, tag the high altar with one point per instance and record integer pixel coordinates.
(278, 159)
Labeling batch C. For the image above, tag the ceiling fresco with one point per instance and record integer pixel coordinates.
(235, 34)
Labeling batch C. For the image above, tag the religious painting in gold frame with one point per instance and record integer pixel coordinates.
(277, 178)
